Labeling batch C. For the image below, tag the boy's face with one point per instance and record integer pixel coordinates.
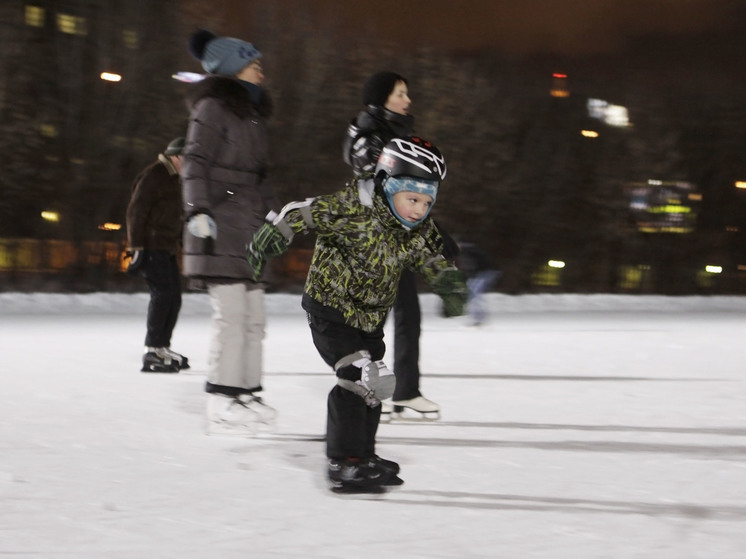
(412, 206)
(399, 101)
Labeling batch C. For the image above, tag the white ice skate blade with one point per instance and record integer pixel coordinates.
(410, 415)
(233, 429)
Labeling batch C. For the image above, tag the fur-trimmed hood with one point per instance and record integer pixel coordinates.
(233, 96)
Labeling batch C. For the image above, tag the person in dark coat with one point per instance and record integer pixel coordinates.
(386, 116)
(226, 194)
(154, 223)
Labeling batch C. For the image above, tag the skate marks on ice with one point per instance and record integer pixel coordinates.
(498, 376)
(724, 431)
(467, 500)
(700, 451)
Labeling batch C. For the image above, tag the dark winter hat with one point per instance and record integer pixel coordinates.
(175, 147)
(226, 56)
(379, 86)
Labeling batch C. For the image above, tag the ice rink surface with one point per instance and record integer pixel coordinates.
(572, 427)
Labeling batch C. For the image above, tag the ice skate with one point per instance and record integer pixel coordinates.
(388, 466)
(266, 415)
(387, 409)
(178, 357)
(227, 415)
(158, 360)
(361, 476)
(417, 408)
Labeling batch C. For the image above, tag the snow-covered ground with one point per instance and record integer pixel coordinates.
(572, 427)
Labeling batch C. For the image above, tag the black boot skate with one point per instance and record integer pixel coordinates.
(357, 476)
(157, 360)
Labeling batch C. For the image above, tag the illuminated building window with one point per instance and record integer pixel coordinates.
(48, 130)
(72, 25)
(131, 40)
(34, 16)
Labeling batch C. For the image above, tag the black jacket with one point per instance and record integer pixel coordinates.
(367, 133)
(154, 211)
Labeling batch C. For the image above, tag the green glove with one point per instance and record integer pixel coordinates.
(451, 287)
(267, 242)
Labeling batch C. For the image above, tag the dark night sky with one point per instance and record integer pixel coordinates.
(519, 27)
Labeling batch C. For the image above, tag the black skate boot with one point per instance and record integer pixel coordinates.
(157, 360)
(358, 476)
(181, 360)
(388, 466)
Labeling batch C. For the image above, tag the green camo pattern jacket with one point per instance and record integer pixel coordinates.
(360, 253)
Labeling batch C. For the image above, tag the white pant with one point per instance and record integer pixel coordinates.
(238, 321)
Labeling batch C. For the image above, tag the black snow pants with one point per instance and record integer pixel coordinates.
(351, 424)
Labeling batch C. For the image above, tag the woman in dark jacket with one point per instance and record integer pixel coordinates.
(226, 196)
(386, 116)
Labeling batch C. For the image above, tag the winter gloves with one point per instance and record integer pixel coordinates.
(451, 287)
(137, 257)
(267, 242)
(202, 226)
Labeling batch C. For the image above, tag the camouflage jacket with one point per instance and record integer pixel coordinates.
(360, 253)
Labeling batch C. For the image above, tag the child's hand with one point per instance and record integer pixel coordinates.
(256, 261)
(267, 242)
(451, 286)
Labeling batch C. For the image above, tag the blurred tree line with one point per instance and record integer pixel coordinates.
(522, 181)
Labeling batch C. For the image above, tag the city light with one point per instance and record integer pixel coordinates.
(54, 217)
(110, 77)
(740, 184)
(589, 133)
(556, 264)
(710, 269)
(110, 226)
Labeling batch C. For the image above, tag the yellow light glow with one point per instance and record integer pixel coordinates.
(556, 264)
(110, 226)
(589, 133)
(710, 269)
(110, 77)
(740, 184)
(50, 216)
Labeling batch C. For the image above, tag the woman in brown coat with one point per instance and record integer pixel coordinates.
(226, 196)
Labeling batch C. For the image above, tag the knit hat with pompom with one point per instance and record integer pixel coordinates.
(226, 56)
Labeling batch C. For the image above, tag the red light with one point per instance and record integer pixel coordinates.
(556, 75)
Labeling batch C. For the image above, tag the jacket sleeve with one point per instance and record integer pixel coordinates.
(203, 142)
(364, 150)
(138, 211)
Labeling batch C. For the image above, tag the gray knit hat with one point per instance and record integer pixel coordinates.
(222, 55)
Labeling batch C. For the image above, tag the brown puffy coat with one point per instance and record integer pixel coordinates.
(154, 211)
(223, 172)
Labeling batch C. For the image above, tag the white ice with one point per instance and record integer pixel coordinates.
(572, 427)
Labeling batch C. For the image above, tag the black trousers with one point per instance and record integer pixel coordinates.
(351, 424)
(407, 318)
(161, 272)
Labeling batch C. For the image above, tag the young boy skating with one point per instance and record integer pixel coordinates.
(364, 241)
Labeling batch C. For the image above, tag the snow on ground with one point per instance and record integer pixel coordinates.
(573, 426)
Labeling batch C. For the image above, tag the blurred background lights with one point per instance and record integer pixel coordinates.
(710, 269)
(110, 77)
(50, 216)
(556, 264)
(110, 226)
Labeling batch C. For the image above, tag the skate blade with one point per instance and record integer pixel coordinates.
(160, 370)
(232, 430)
(358, 490)
(409, 415)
